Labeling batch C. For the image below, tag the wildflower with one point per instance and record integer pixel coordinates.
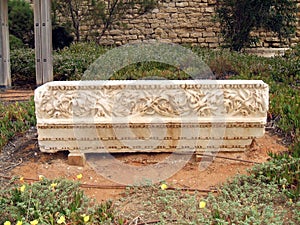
(7, 223)
(202, 204)
(86, 218)
(34, 222)
(22, 188)
(22, 179)
(41, 177)
(19, 223)
(61, 220)
(291, 200)
(53, 185)
(164, 187)
(79, 176)
(283, 187)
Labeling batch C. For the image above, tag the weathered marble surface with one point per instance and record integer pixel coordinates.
(150, 115)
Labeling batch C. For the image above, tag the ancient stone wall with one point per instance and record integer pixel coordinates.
(178, 21)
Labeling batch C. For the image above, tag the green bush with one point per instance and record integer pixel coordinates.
(61, 37)
(23, 66)
(15, 43)
(20, 16)
(70, 63)
(239, 17)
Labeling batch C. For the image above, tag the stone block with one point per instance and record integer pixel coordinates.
(181, 4)
(189, 40)
(149, 116)
(76, 159)
(209, 34)
(196, 34)
(212, 39)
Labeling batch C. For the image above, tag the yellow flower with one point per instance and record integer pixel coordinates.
(22, 188)
(61, 220)
(86, 219)
(7, 223)
(291, 200)
(79, 176)
(34, 222)
(22, 179)
(53, 185)
(202, 204)
(164, 187)
(41, 177)
(19, 223)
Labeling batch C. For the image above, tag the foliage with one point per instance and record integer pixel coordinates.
(284, 171)
(20, 16)
(22, 66)
(15, 118)
(57, 201)
(21, 27)
(257, 203)
(103, 14)
(239, 17)
(15, 43)
(270, 194)
(61, 37)
(70, 63)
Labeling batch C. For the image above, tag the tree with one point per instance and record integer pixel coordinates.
(239, 17)
(20, 16)
(103, 13)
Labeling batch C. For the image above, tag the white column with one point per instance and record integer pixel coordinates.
(43, 41)
(5, 76)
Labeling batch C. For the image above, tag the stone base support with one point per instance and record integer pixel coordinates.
(76, 159)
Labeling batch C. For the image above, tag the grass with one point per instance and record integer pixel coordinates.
(268, 195)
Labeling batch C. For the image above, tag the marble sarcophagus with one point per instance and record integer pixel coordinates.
(150, 115)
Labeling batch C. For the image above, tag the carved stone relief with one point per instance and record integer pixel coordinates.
(106, 115)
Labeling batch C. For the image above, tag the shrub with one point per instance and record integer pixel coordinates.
(61, 37)
(15, 43)
(23, 66)
(70, 63)
(239, 17)
(20, 16)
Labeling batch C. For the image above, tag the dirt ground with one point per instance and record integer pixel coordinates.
(21, 157)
